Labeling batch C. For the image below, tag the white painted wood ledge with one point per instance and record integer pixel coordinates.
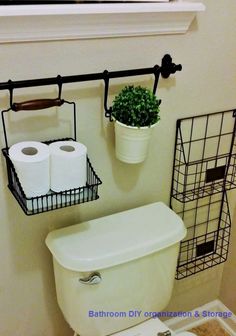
(82, 21)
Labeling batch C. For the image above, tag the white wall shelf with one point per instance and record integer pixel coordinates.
(80, 21)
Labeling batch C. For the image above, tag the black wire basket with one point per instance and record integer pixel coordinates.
(204, 170)
(208, 226)
(52, 200)
(205, 156)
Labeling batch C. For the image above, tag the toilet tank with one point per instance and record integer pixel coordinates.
(134, 254)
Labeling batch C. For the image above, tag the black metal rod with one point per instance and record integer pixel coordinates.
(74, 79)
(165, 70)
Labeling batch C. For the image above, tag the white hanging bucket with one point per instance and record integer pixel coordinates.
(132, 142)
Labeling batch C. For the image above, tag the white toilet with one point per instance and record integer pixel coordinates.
(113, 274)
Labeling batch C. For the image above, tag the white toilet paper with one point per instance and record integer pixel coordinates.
(31, 162)
(68, 165)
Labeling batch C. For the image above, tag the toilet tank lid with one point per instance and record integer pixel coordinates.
(116, 239)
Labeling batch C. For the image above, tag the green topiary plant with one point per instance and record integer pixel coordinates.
(136, 106)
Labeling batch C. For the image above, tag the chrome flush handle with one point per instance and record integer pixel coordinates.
(93, 279)
(164, 333)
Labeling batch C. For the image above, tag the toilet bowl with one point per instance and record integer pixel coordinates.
(113, 272)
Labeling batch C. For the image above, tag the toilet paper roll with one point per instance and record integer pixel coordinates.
(31, 162)
(68, 167)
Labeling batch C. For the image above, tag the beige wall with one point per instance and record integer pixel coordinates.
(227, 290)
(206, 84)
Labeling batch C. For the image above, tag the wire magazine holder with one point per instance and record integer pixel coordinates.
(204, 169)
(208, 226)
(205, 156)
(52, 200)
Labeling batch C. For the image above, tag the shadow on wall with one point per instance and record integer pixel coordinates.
(200, 287)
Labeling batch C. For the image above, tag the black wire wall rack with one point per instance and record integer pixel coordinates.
(53, 200)
(204, 169)
(208, 226)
